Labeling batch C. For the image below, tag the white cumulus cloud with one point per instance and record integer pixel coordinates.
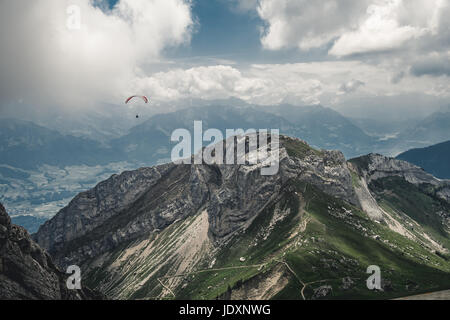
(328, 83)
(351, 26)
(390, 25)
(256, 85)
(307, 24)
(44, 61)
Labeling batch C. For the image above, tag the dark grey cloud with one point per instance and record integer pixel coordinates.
(435, 66)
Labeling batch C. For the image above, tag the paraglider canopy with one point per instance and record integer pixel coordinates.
(140, 97)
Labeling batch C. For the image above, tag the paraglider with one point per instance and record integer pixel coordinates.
(140, 97)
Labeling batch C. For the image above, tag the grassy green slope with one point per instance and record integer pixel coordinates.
(418, 202)
(341, 249)
(338, 242)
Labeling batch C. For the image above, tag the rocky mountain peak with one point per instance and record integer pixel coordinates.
(148, 200)
(27, 271)
(376, 166)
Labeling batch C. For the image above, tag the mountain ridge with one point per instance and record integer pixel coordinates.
(189, 219)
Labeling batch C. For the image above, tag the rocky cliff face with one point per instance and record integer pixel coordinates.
(143, 234)
(376, 166)
(380, 180)
(27, 271)
(93, 208)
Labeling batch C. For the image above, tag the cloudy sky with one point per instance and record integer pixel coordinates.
(360, 57)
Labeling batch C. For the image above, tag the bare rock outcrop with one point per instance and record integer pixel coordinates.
(27, 271)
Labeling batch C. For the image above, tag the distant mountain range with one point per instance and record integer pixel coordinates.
(434, 159)
(433, 129)
(26, 145)
(324, 128)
